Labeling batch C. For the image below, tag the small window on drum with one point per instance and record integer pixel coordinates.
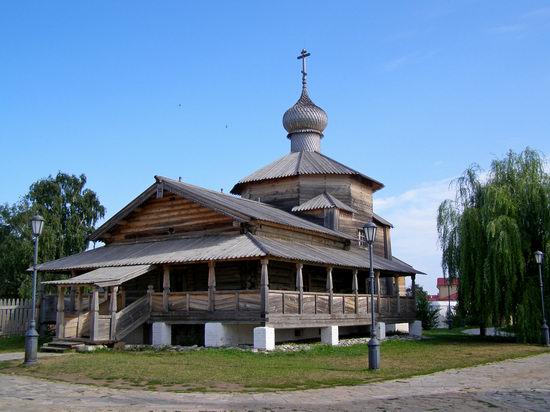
(361, 239)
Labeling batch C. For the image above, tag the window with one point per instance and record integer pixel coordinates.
(361, 238)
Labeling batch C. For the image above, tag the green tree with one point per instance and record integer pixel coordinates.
(488, 235)
(70, 212)
(425, 311)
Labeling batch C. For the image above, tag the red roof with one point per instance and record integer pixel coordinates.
(443, 282)
(436, 298)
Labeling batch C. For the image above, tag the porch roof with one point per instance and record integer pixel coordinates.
(109, 276)
(220, 248)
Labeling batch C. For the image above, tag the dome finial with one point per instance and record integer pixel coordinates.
(303, 55)
(305, 121)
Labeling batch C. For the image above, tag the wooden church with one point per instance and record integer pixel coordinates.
(281, 258)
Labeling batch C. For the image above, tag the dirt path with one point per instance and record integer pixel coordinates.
(518, 385)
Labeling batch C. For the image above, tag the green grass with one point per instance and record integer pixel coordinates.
(12, 344)
(235, 370)
(16, 343)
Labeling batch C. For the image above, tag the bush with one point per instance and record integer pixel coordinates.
(425, 311)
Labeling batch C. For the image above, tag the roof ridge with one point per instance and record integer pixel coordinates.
(330, 198)
(256, 242)
(299, 162)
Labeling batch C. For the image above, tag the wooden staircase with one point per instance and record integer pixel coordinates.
(60, 346)
(131, 317)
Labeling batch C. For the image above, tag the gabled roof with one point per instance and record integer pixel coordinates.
(380, 219)
(216, 248)
(323, 201)
(302, 163)
(242, 210)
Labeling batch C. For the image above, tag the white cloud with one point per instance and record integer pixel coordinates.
(412, 58)
(414, 237)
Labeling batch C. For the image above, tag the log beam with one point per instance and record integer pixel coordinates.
(396, 292)
(165, 288)
(330, 288)
(300, 286)
(211, 286)
(60, 318)
(264, 288)
(355, 289)
(112, 310)
(94, 314)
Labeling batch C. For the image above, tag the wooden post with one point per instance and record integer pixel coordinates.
(41, 312)
(211, 286)
(329, 288)
(78, 308)
(60, 318)
(94, 314)
(300, 286)
(413, 292)
(72, 299)
(377, 282)
(355, 289)
(264, 288)
(396, 292)
(165, 288)
(113, 309)
(122, 298)
(150, 291)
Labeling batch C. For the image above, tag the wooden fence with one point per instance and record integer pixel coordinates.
(14, 316)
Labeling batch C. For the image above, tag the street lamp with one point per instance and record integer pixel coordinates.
(31, 337)
(374, 344)
(544, 329)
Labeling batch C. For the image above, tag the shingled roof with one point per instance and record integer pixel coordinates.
(323, 201)
(302, 163)
(217, 248)
(242, 210)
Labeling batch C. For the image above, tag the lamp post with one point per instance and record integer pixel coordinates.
(544, 329)
(374, 343)
(31, 336)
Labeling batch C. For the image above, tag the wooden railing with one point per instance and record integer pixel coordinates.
(283, 302)
(288, 302)
(131, 317)
(227, 300)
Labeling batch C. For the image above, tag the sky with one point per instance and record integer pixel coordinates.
(415, 92)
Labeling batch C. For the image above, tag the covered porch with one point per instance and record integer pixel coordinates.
(247, 280)
(107, 304)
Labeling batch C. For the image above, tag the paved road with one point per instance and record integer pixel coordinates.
(514, 385)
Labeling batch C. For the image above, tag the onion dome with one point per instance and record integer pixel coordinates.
(305, 116)
(305, 121)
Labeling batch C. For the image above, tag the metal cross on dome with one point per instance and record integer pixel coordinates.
(303, 54)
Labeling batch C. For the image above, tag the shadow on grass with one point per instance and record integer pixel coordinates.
(16, 343)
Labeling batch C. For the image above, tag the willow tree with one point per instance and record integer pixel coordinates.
(488, 235)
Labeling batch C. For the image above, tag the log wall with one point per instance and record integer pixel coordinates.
(167, 216)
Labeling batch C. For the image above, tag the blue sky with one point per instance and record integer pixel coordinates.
(415, 91)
